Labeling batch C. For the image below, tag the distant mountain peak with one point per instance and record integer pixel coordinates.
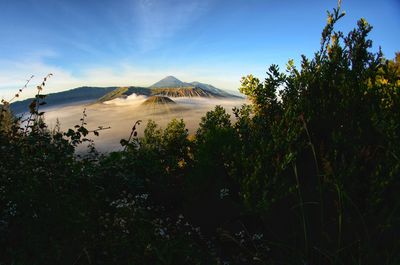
(171, 77)
(170, 81)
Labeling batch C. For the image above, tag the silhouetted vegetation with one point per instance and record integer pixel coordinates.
(308, 173)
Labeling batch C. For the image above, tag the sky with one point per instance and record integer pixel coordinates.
(138, 42)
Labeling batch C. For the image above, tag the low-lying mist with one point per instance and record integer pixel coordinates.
(121, 114)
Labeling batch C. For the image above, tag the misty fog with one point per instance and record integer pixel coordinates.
(120, 114)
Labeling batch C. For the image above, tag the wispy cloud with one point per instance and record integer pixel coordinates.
(13, 75)
(159, 20)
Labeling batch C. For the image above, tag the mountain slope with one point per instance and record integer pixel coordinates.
(212, 89)
(123, 92)
(158, 100)
(65, 97)
(171, 82)
(182, 92)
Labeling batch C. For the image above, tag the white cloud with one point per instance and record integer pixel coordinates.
(13, 75)
(131, 100)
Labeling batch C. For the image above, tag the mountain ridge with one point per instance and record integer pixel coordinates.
(169, 86)
(173, 82)
(71, 96)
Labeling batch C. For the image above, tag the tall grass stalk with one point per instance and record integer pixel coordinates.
(305, 230)
(317, 171)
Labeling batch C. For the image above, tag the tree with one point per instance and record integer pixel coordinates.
(329, 146)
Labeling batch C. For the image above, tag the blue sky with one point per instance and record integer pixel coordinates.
(138, 42)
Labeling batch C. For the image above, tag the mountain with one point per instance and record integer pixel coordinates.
(169, 81)
(206, 89)
(158, 100)
(123, 92)
(72, 96)
(188, 91)
(175, 92)
(169, 86)
(211, 89)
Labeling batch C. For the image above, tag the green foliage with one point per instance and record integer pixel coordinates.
(7, 119)
(333, 138)
(213, 154)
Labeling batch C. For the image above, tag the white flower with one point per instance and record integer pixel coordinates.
(223, 193)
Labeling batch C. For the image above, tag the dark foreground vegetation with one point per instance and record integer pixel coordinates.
(309, 173)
